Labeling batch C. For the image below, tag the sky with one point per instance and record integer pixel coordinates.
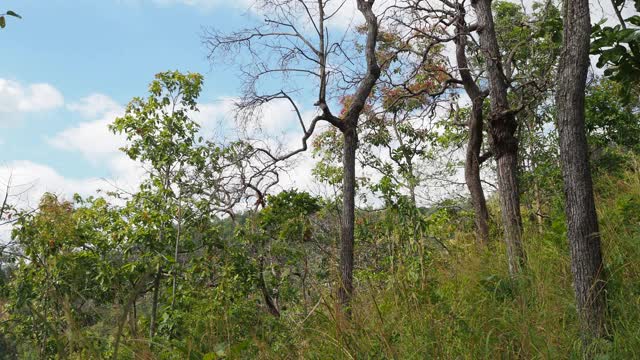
(68, 68)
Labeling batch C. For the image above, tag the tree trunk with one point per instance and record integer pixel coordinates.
(349, 125)
(502, 128)
(268, 299)
(472, 174)
(133, 320)
(582, 221)
(475, 127)
(510, 208)
(154, 304)
(348, 215)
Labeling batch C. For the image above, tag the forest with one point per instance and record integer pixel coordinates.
(475, 194)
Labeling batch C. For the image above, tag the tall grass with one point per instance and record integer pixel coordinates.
(467, 307)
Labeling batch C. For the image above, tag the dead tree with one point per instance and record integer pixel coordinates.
(295, 41)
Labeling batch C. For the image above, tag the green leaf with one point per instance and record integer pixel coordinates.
(626, 35)
(12, 13)
(3, 23)
(635, 20)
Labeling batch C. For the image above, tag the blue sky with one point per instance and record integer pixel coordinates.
(86, 47)
(68, 67)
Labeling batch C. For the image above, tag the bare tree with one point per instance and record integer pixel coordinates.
(295, 41)
(582, 221)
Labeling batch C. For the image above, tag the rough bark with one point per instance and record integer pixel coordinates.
(510, 208)
(348, 216)
(502, 128)
(475, 129)
(349, 127)
(582, 222)
(472, 173)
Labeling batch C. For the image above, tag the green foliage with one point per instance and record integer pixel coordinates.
(424, 289)
(609, 120)
(618, 51)
(159, 129)
(70, 264)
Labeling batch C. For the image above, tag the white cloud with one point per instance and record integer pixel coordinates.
(92, 139)
(30, 180)
(277, 117)
(18, 98)
(95, 105)
(96, 143)
(273, 119)
(216, 118)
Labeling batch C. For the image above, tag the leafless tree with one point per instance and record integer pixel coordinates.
(296, 40)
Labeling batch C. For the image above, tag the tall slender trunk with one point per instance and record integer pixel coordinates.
(349, 125)
(475, 128)
(582, 221)
(154, 303)
(472, 173)
(133, 320)
(348, 215)
(538, 205)
(502, 128)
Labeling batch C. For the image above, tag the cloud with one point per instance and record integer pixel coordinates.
(30, 180)
(95, 105)
(18, 98)
(96, 143)
(92, 139)
(276, 123)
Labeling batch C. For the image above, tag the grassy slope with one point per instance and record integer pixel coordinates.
(467, 308)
